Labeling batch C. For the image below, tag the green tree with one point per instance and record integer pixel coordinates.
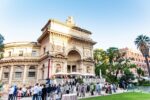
(1, 55)
(111, 62)
(142, 42)
(1, 46)
(140, 72)
(128, 76)
(101, 61)
(100, 56)
(115, 60)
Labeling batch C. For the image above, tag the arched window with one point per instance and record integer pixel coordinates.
(32, 72)
(58, 68)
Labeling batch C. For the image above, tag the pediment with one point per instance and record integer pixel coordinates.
(59, 55)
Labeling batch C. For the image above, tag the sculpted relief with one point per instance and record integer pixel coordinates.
(74, 42)
(87, 53)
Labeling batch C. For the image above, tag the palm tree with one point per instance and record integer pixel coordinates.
(143, 42)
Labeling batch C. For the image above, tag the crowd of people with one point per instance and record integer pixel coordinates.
(55, 92)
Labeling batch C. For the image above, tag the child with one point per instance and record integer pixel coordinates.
(19, 93)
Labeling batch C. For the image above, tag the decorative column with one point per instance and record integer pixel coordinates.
(24, 74)
(1, 72)
(65, 67)
(38, 73)
(82, 68)
(52, 71)
(11, 74)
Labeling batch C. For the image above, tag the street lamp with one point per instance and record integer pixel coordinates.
(49, 64)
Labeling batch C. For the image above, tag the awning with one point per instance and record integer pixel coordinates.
(60, 73)
(88, 74)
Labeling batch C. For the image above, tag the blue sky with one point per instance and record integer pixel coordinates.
(113, 22)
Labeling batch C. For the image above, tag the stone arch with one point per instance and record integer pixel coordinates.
(73, 61)
(74, 49)
(74, 55)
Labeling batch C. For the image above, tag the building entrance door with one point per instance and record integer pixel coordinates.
(73, 61)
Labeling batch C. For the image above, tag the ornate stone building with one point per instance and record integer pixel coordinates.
(20, 63)
(137, 59)
(62, 48)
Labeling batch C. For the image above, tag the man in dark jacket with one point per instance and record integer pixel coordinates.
(44, 92)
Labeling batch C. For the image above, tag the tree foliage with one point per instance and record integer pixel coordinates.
(140, 72)
(111, 62)
(1, 46)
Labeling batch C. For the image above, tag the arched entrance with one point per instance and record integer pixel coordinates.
(73, 61)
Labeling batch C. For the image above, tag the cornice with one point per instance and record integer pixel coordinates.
(18, 60)
(65, 24)
(22, 44)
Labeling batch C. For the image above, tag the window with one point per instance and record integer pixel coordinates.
(6, 74)
(9, 53)
(20, 53)
(44, 50)
(32, 72)
(58, 68)
(74, 68)
(68, 68)
(88, 69)
(34, 53)
(18, 74)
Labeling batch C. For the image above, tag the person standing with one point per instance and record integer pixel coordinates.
(11, 91)
(19, 94)
(24, 91)
(35, 92)
(15, 92)
(98, 88)
(92, 89)
(44, 92)
(40, 92)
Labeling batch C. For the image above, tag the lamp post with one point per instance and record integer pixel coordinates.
(49, 65)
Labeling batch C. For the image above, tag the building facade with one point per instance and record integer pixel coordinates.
(137, 59)
(62, 48)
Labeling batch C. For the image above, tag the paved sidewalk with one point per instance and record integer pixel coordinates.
(103, 94)
(5, 97)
